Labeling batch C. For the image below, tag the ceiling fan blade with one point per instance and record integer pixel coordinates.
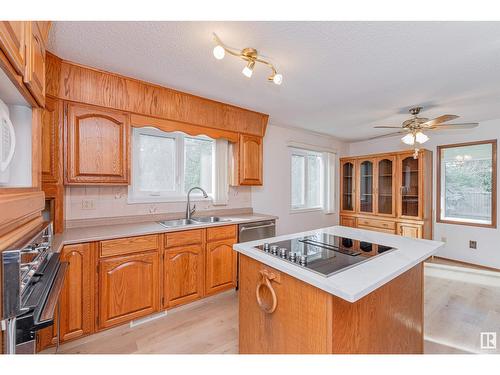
(470, 125)
(387, 127)
(389, 135)
(439, 120)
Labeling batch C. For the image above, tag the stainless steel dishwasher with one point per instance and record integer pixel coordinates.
(256, 230)
(251, 232)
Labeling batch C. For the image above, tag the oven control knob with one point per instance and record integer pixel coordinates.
(292, 257)
(274, 250)
(266, 247)
(303, 260)
(283, 252)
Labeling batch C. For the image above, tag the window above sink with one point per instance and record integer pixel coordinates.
(165, 165)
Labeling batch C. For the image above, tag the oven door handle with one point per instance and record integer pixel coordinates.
(47, 314)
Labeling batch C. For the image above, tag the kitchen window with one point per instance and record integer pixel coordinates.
(311, 180)
(167, 164)
(467, 183)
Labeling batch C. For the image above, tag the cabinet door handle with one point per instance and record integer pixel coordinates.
(265, 281)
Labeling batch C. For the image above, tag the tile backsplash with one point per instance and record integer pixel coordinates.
(96, 202)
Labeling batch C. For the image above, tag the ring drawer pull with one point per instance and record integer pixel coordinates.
(266, 282)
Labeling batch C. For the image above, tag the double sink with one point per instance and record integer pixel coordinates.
(193, 221)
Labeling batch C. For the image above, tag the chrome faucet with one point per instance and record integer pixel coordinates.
(190, 211)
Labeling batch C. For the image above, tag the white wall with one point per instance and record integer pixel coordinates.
(457, 236)
(274, 196)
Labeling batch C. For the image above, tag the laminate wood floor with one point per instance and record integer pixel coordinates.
(460, 303)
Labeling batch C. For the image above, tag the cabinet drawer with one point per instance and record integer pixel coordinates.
(221, 233)
(375, 229)
(377, 223)
(186, 237)
(129, 245)
(347, 221)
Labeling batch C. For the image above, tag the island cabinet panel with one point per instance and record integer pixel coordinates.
(34, 76)
(387, 321)
(300, 322)
(128, 288)
(184, 273)
(283, 315)
(76, 301)
(97, 146)
(13, 43)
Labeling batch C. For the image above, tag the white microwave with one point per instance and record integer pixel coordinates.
(7, 143)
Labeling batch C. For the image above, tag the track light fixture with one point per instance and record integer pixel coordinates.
(250, 56)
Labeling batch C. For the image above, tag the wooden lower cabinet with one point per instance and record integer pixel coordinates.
(410, 230)
(76, 302)
(220, 266)
(128, 288)
(348, 221)
(183, 274)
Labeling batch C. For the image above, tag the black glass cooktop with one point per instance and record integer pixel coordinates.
(324, 253)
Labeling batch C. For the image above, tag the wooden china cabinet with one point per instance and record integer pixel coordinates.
(390, 193)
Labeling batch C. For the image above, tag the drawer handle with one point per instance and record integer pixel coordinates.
(265, 281)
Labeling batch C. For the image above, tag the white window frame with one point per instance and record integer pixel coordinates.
(306, 207)
(137, 196)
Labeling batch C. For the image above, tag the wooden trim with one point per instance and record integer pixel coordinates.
(493, 224)
(16, 207)
(11, 237)
(74, 82)
(139, 121)
(383, 154)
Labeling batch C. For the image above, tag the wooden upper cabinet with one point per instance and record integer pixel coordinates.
(347, 185)
(97, 146)
(128, 288)
(51, 141)
(34, 75)
(411, 186)
(249, 160)
(13, 43)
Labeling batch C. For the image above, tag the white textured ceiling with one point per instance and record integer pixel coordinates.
(340, 78)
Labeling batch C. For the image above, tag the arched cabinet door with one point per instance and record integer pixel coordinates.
(365, 188)
(249, 160)
(221, 266)
(386, 186)
(183, 274)
(347, 186)
(128, 288)
(97, 145)
(410, 179)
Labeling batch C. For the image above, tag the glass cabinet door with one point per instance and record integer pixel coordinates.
(366, 186)
(409, 187)
(347, 186)
(385, 189)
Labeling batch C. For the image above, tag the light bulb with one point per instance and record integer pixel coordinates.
(409, 139)
(278, 79)
(248, 69)
(219, 52)
(421, 137)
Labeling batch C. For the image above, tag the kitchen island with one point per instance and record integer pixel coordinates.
(364, 296)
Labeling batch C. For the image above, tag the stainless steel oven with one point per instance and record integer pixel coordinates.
(32, 278)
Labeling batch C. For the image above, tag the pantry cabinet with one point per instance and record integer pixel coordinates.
(97, 146)
(389, 193)
(128, 288)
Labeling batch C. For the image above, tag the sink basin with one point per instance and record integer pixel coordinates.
(209, 219)
(177, 223)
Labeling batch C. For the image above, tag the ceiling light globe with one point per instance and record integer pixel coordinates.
(278, 79)
(409, 139)
(219, 52)
(421, 137)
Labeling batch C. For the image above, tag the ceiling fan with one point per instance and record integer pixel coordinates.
(415, 126)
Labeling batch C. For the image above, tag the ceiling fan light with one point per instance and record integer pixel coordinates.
(278, 79)
(248, 69)
(409, 139)
(421, 137)
(219, 52)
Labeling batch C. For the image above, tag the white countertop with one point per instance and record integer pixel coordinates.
(356, 282)
(107, 232)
